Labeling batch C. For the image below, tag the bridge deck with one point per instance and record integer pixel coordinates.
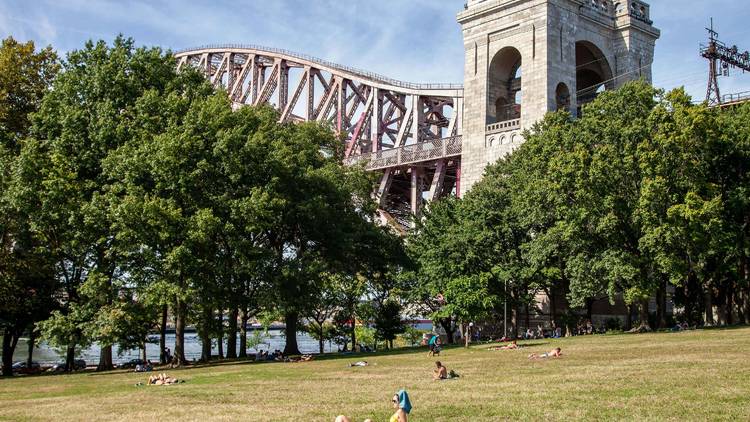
(409, 154)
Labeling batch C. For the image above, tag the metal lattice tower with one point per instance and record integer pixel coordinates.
(720, 59)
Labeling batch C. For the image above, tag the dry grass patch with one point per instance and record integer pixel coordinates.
(695, 375)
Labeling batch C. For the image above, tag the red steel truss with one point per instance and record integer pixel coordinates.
(410, 133)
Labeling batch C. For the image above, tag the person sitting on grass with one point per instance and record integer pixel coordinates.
(402, 405)
(440, 372)
(554, 353)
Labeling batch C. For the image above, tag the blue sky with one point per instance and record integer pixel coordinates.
(412, 40)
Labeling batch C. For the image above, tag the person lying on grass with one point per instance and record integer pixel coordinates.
(162, 379)
(303, 358)
(512, 346)
(554, 353)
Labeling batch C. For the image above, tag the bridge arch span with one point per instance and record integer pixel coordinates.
(409, 132)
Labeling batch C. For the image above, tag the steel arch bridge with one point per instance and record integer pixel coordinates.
(410, 133)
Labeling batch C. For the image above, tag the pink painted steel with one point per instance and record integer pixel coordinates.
(400, 128)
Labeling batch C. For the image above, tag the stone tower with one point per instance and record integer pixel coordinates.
(527, 57)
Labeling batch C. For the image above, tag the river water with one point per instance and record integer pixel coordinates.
(275, 339)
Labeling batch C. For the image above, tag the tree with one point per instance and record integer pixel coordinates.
(99, 104)
(27, 285)
(455, 271)
(326, 303)
(388, 323)
(165, 186)
(307, 187)
(27, 281)
(734, 175)
(412, 336)
(681, 205)
(25, 76)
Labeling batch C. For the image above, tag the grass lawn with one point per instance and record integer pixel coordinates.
(696, 375)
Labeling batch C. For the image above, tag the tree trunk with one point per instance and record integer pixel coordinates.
(232, 334)
(179, 334)
(731, 302)
(205, 333)
(722, 305)
(354, 335)
(743, 293)
(243, 333)
(163, 336)
(105, 359)
(527, 316)
(9, 346)
(467, 335)
(629, 319)
(661, 305)
(447, 325)
(321, 333)
(552, 308)
(291, 348)
(708, 307)
(745, 274)
(643, 314)
(144, 355)
(689, 309)
(514, 321)
(32, 340)
(220, 333)
(70, 357)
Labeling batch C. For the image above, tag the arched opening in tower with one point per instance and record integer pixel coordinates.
(562, 97)
(504, 95)
(593, 73)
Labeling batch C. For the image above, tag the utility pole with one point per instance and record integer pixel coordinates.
(720, 59)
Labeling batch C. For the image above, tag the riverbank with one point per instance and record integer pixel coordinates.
(272, 340)
(693, 375)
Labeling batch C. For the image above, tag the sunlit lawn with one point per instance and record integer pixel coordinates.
(696, 375)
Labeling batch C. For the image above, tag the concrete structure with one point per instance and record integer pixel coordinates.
(525, 58)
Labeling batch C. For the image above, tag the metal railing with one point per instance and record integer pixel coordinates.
(409, 154)
(504, 126)
(736, 97)
(362, 73)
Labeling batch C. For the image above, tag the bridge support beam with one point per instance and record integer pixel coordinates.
(437, 181)
(416, 191)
